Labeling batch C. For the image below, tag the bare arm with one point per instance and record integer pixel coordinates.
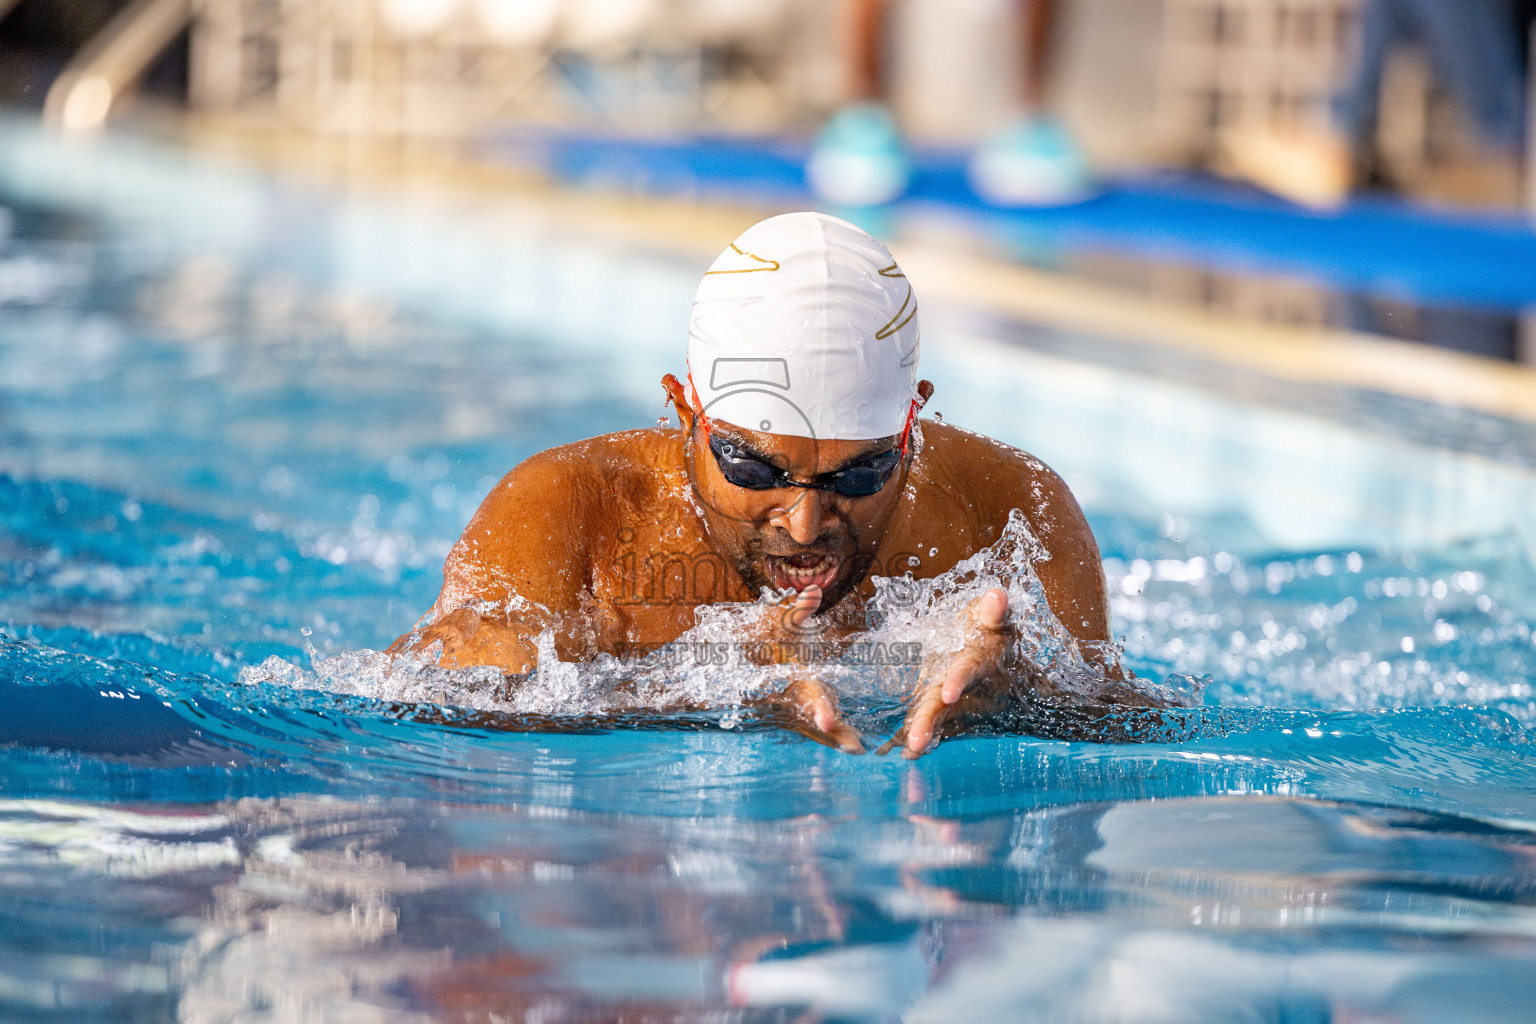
(518, 568)
(1073, 575)
(981, 681)
(997, 480)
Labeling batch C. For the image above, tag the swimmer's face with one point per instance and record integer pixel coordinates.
(789, 538)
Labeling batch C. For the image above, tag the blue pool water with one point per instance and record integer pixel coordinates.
(242, 420)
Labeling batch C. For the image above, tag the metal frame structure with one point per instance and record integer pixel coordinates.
(443, 68)
(1247, 64)
(1233, 66)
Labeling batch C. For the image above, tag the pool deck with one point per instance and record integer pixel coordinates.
(944, 268)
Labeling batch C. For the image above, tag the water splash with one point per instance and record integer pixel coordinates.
(732, 658)
(1338, 629)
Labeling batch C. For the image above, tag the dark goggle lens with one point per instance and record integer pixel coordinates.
(865, 478)
(742, 469)
(857, 481)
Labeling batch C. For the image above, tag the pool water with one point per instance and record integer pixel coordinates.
(243, 420)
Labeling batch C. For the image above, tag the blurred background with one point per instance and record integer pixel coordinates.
(1335, 164)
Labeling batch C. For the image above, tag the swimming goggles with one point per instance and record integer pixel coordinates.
(754, 473)
(856, 480)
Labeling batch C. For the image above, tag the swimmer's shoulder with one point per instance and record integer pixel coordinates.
(593, 473)
(536, 530)
(525, 539)
(994, 478)
(630, 467)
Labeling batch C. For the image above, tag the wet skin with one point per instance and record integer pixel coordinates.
(617, 539)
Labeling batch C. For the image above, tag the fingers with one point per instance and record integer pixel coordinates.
(816, 710)
(917, 728)
(421, 645)
(990, 610)
(988, 615)
(816, 703)
(802, 608)
(846, 738)
(467, 639)
(923, 720)
(841, 735)
(455, 637)
(962, 669)
(916, 734)
(986, 628)
(452, 630)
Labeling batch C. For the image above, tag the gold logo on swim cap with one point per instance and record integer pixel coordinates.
(768, 265)
(891, 326)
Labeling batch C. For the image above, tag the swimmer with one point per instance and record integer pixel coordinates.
(797, 468)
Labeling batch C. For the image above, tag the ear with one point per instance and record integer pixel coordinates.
(679, 396)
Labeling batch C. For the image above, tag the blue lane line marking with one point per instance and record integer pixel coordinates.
(1374, 245)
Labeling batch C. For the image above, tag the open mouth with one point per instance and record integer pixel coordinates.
(796, 572)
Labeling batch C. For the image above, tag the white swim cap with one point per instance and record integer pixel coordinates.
(805, 326)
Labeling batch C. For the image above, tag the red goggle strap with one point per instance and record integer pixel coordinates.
(693, 402)
(906, 431)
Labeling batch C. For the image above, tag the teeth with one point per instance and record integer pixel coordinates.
(820, 567)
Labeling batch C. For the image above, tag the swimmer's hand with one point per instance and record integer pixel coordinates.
(469, 638)
(814, 707)
(966, 681)
(809, 705)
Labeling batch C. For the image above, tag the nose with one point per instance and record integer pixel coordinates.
(807, 518)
